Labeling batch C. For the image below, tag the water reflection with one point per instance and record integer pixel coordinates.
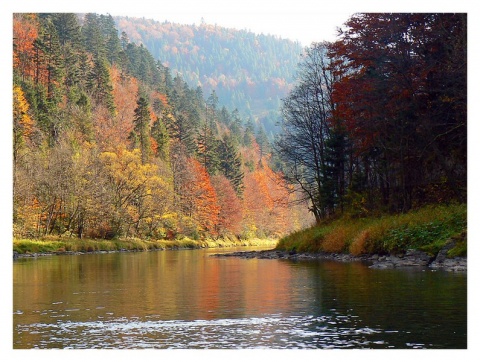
(186, 299)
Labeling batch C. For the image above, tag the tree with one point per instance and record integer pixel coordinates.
(207, 146)
(306, 127)
(68, 28)
(100, 84)
(230, 163)
(398, 108)
(160, 136)
(140, 135)
(230, 213)
(93, 35)
(25, 32)
(262, 140)
(205, 209)
(249, 133)
(132, 185)
(110, 33)
(49, 63)
(23, 124)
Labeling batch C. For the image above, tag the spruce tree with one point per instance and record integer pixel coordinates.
(230, 163)
(160, 135)
(100, 84)
(140, 135)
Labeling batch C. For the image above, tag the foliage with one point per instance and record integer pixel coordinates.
(108, 145)
(377, 120)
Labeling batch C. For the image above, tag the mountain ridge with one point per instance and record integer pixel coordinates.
(251, 72)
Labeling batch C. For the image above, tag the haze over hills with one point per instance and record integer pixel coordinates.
(248, 71)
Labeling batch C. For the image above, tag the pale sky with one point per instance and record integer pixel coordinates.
(284, 19)
(302, 20)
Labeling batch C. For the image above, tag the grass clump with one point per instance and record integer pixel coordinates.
(24, 246)
(62, 245)
(427, 229)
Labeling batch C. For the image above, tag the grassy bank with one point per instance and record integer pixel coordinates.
(426, 229)
(60, 245)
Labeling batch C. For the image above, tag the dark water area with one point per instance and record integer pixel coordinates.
(187, 299)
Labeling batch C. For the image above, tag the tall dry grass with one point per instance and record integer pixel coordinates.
(427, 229)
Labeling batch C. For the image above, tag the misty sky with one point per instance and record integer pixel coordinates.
(302, 20)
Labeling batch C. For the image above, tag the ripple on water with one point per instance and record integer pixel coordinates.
(272, 331)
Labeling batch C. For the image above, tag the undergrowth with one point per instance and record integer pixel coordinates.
(426, 229)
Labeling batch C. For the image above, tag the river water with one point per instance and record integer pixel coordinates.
(188, 299)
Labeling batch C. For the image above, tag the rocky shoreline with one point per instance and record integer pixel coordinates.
(412, 258)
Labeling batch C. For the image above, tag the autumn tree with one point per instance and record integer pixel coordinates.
(25, 32)
(205, 207)
(230, 213)
(106, 143)
(132, 185)
(23, 124)
(398, 109)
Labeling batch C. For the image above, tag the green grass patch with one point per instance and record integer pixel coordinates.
(24, 246)
(427, 229)
(59, 245)
(460, 249)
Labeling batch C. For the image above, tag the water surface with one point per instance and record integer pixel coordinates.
(187, 299)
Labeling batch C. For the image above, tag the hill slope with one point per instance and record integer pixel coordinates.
(249, 72)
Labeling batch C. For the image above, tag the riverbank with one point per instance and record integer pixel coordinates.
(27, 248)
(412, 258)
(434, 236)
(426, 229)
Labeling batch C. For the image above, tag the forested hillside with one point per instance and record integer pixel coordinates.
(108, 143)
(248, 71)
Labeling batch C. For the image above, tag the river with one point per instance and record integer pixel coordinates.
(187, 299)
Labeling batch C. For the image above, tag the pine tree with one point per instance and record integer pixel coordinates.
(68, 28)
(160, 135)
(141, 130)
(93, 35)
(230, 163)
(207, 147)
(262, 140)
(49, 63)
(100, 84)
(236, 127)
(248, 135)
(110, 34)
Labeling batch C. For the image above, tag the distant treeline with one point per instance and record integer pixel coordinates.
(250, 72)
